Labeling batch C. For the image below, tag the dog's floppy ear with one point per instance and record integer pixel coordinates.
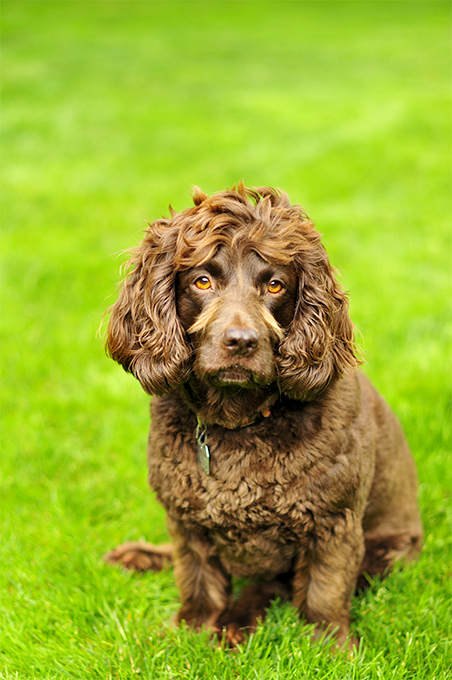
(318, 347)
(144, 333)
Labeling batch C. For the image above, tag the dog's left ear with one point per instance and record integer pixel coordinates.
(318, 347)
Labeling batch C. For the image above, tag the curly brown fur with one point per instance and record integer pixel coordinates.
(231, 310)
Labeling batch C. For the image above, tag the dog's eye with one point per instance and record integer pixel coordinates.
(203, 283)
(275, 286)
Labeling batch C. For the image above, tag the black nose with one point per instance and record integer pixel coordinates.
(243, 341)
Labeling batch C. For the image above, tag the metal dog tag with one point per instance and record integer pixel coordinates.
(202, 450)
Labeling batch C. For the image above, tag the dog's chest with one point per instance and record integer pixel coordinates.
(250, 507)
(256, 496)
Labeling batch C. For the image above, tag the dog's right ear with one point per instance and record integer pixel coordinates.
(144, 333)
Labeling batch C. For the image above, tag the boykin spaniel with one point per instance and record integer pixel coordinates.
(273, 456)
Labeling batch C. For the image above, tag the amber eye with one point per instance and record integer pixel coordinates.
(275, 287)
(203, 283)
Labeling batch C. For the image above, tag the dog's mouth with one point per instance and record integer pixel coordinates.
(233, 375)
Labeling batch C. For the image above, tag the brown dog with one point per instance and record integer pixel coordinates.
(275, 459)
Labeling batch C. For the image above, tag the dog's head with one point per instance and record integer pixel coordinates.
(237, 290)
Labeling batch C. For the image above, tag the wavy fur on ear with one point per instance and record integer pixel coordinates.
(319, 345)
(144, 333)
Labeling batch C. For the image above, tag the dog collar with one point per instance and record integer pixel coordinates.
(202, 448)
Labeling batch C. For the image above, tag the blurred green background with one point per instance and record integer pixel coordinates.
(111, 111)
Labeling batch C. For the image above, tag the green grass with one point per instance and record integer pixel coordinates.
(111, 110)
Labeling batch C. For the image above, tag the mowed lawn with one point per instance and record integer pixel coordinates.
(111, 111)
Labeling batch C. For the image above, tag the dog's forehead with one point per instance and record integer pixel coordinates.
(278, 237)
(238, 258)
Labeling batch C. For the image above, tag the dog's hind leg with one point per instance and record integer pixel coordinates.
(141, 556)
(383, 551)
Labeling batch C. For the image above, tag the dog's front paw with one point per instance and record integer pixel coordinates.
(197, 618)
(141, 556)
(233, 636)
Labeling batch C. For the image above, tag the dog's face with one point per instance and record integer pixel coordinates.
(235, 309)
(238, 291)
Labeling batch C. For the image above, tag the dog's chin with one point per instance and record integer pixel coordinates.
(234, 376)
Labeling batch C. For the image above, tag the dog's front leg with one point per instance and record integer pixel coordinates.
(203, 583)
(324, 582)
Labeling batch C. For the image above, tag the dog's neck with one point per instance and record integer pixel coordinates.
(231, 408)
